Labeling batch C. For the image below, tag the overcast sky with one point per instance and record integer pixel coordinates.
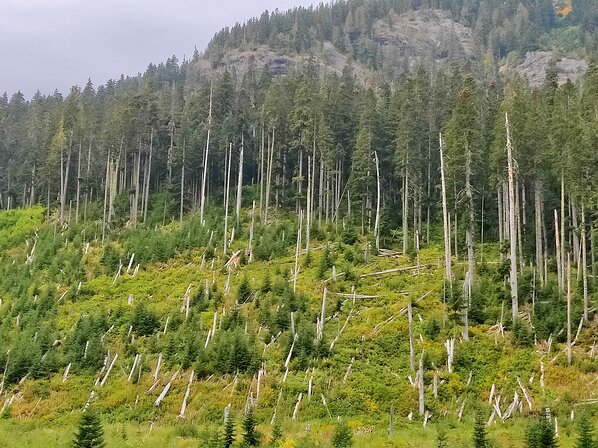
(54, 44)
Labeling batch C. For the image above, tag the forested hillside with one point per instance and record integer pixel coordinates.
(325, 214)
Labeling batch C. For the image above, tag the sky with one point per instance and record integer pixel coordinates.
(55, 44)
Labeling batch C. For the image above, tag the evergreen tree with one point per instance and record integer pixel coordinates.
(89, 433)
(276, 434)
(541, 433)
(585, 438)
(479, 432)
(244, 291)
(250, 435)
(441, 438)
(343, 437)
(229, 432)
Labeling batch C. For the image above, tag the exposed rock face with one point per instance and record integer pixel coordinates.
(431, 33)
(534, 67)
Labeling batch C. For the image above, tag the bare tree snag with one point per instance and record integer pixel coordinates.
(204, 176)
(512, 224)
(448, 275)
(377, 222)
(240, 182)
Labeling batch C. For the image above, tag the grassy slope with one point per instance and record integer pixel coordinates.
(43, 414)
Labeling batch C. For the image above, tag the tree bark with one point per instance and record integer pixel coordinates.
(148, 173)
(512, 224)
(78, 185)
(538, 221)
(448, 275)
(377, 222)
(240, 183)
(204, 176)
(226, 196)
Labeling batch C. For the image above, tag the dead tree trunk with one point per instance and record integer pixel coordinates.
(584, 262)
(204, 176)
(308, 203)
(64, 177)
(240, 183)
(78, 185)
(448, 275)
(569, 308)
(106, 180)
(269, 176)
(226, 196)
(469, 232)
(182, 185)
(148, 173)
(538, 221)
(377, 222)
(411, 339)
(559, 250)
(512, 228)
(406, 209)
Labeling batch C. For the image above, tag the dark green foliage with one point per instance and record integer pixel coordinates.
(267, 284)
(479, 431)
(325, 263)
(229, 432)
(244, 291)
(441, 438)
(89, 433)
(541, 433)
(144, 322)
(276, 434)
(343, 436)
(585, 438)
(111, 259)
(521, 334)
(250, 435)
(229, 352)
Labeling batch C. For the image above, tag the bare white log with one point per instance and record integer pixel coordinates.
(109, 370)
(157, 371)
(186, 397)
(320, 327)
(165, 390)
(133, 367)
(450, 350)
(297, 406)
(66, 372)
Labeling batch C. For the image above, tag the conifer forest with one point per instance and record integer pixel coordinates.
(362, 223)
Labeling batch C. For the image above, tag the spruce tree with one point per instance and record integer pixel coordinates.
(441, 438)
(343, 438)
(479, 432)
(541, 434)
(229, 432)
(89, 433)
(244, 292)
(250, 435)
(276, 434)
(585, 439)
